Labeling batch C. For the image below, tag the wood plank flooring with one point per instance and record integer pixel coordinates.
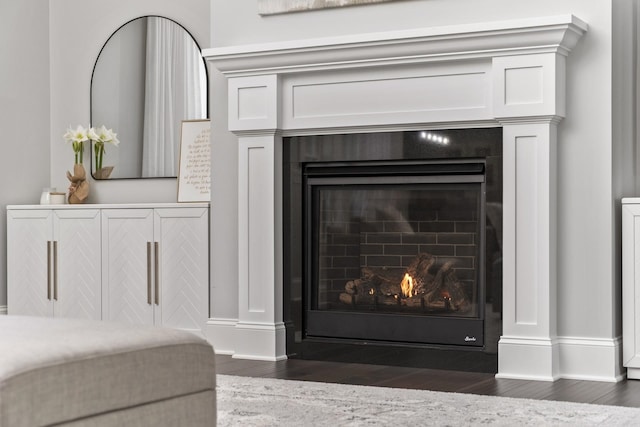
(625, 393)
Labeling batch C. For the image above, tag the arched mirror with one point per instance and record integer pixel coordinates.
(149, 76)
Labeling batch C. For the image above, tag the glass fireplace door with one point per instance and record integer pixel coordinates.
(394, 252)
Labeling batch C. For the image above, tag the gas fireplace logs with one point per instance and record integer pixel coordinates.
(417, 286)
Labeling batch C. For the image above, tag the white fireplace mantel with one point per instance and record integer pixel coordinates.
(557, 34)
(509, 74)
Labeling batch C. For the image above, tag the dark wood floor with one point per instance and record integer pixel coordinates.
(625, 393)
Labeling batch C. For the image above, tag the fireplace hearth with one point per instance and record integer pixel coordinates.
(394, 241)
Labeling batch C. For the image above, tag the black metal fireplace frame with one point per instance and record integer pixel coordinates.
(469, 143)
(387, 327)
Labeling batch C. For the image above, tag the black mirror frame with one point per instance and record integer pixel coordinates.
(91, 165)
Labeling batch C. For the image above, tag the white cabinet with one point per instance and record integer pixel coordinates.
(631, 286)
(144, 264)
(53, 263)
(155, 266)
(127, 275)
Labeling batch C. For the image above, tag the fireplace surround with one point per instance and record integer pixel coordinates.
(506, 74)
(392, 239)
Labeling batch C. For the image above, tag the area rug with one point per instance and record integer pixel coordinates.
(260, 402)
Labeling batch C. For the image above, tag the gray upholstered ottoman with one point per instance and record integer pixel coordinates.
(86, 373)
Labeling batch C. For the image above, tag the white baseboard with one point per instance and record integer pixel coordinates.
(221, 335)
(528, 359)
(591, 359)
(246, 341)
(3, 309)
(260, 341)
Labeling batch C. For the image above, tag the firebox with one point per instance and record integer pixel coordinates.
(393, 251)
(393, 240)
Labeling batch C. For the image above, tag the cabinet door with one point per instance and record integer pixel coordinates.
(631, 289)
(76, 264)
(29, 239)
(183, 267)
(127, 237)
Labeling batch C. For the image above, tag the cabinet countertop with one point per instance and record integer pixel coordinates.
(112, 206)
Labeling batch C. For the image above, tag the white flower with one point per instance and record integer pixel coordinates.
(102, 135)
(78, 135)
(77, 138)
(99, 136)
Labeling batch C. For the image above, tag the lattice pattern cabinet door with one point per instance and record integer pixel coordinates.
(29, 237)
(137, 264)
(77, 267)
(183, 267)
(53, 258)
(127, 260)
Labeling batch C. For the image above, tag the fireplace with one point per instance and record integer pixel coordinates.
(394, 241)
(503, 75)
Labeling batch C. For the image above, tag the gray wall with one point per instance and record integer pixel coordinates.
(589, 186)
(48, 49)
(24, 110)
(79, 28)
(42, 94)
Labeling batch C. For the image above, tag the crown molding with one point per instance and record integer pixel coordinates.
(555, 34)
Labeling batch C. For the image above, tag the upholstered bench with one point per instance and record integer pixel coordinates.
(89, 373)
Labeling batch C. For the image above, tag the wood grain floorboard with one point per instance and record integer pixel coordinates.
(624, 393)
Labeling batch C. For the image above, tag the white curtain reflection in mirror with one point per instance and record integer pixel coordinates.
(175, 85)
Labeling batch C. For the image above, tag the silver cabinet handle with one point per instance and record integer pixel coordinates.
(49, 269)
(149, 273)
(55, 270)
(156, 278)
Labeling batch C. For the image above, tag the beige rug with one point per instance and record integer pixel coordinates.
(255, 402)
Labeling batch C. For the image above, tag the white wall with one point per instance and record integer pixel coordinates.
(592, 170)
(79, 28)
(589, 185)
(24, 110)
(625, 155)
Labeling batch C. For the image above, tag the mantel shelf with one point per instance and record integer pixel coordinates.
(535, 35)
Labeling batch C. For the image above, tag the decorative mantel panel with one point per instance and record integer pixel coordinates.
(509, 74)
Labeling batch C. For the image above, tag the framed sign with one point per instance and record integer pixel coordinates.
(270, 7)
(194, 173)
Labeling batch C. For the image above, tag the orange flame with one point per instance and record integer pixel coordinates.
(407, 286)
